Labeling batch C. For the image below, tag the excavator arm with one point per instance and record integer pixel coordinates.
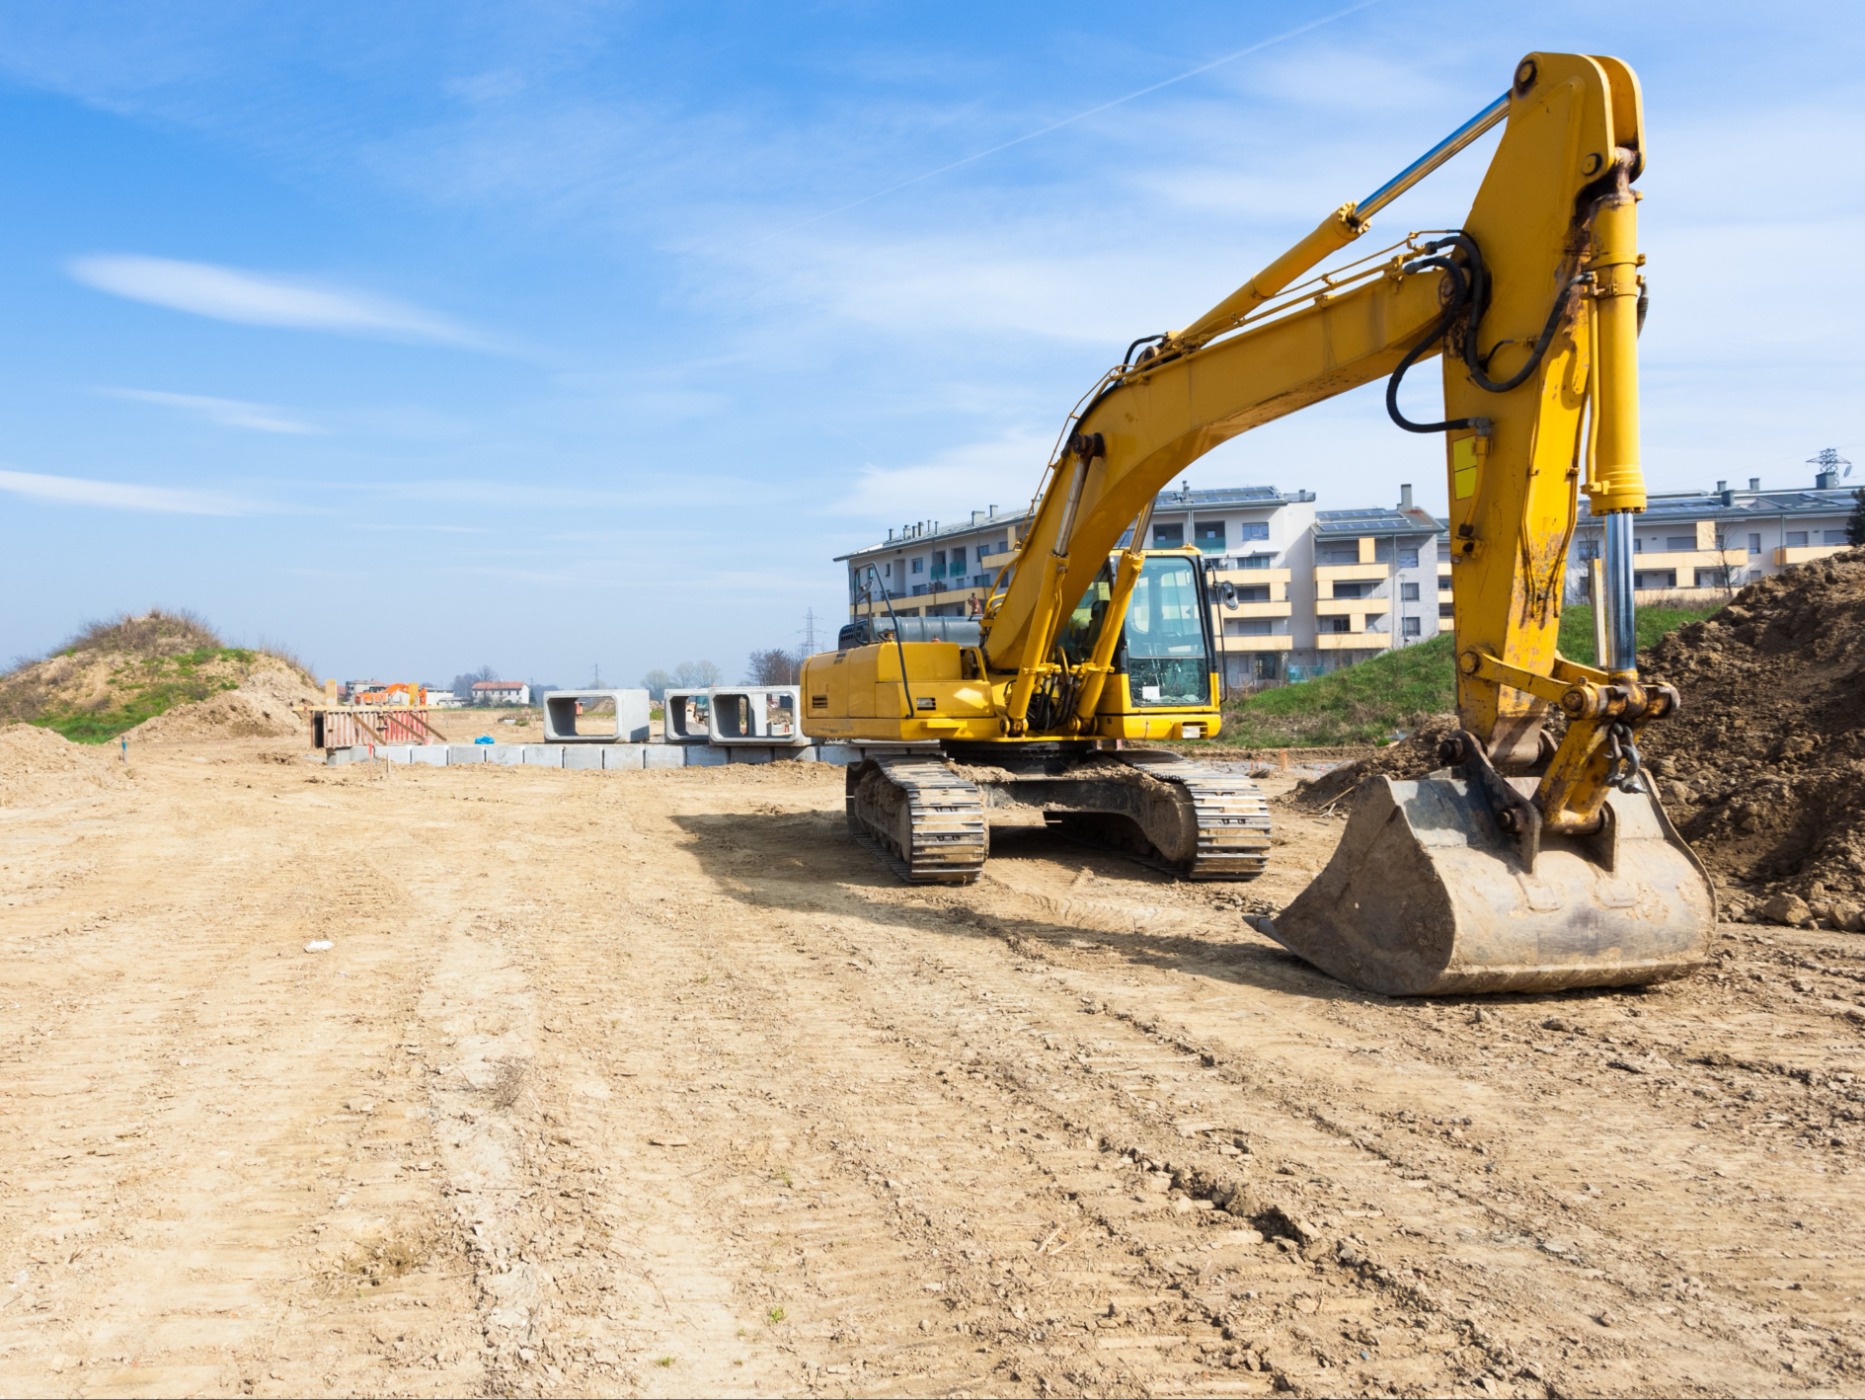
(1536, 295)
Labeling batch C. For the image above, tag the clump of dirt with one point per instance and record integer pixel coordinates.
(1412, 757)
(38, 767)
(1763, 766)
(116, 675)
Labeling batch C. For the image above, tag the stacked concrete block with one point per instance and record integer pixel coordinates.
(585, 756)
(434, 755)
(563, 724)
(542, 755)
(467, 753)
(667, 755)
(705, 756)
(618, 757)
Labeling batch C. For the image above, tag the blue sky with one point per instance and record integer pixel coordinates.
(422, 336)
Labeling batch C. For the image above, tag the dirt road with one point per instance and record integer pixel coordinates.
(653, 1083)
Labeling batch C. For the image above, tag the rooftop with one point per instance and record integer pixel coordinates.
(1735, 505)
(1378, 520)
(933, 532)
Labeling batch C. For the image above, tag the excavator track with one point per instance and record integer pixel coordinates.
(1231, 813)
(1226, 812)
(921, 817)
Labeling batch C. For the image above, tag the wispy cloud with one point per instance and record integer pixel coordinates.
(227, 413)
(123, 495)
(1005, 469)
(266, 299)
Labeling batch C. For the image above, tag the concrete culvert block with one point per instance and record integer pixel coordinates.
(543, 755)
(665, 755)
(467, 753)
(435, 755)
(506, 755)
(844, 754)
(705, 756)
(586, 756)
(686, 716)
(395, 753)
(747, 755)
(758, 714)
(621, 756)
(596, 716)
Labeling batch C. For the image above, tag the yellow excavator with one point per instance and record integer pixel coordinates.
(1538, 857)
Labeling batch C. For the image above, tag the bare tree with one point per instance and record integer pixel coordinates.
(655, 682)
(773, 667)
(696, 675)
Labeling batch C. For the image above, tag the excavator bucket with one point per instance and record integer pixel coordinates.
(1427, 895)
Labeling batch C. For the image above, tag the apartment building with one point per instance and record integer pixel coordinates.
(1380, 579)
(1294, 591)
(1700, 546)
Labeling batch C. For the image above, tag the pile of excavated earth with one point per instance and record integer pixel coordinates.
(1763, 767)
(39, 767)
(158, 677)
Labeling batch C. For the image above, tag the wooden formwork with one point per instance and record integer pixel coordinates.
(346, 726)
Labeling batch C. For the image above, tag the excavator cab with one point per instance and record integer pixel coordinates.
(1164, 664)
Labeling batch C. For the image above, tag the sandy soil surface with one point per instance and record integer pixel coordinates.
(653, 1083)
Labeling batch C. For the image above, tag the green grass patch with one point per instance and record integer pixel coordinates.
(1396, 691)
(153, 687)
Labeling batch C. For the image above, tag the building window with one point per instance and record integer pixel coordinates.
(1444, 609)
(955, 563)
(919, 566)
(1796, 539)
(938, 563)
(1834, 537)
(1337, 554)
(1754, 544)
(1336, 624)
(1408, 558)
(1680, 544)
(1351, 590)
(1258, 561)
(1209, 536)
(1247, 627)
(1638, 545)
(1655, 578)
(1589, 551)
(1253, 593)
(1253, 530)
(1168, 537)
(1413, 627)
(1408, 592)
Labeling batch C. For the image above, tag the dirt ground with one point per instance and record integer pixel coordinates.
(653, 1083)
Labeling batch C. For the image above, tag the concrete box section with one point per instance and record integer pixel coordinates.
(434, 755)
(617, 756)
(686, 716)
(508, 755)
(705, 756)
(595, 716)
(582, 756)
(667, 755)
(467, 753)
(543, 755)
(768, 715)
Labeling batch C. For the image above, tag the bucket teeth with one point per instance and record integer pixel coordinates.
(1426, 896)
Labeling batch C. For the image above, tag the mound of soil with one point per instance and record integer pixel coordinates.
(1412, 757)
(38, 767)
(260, 708)
(1763, 767)
(157, 676)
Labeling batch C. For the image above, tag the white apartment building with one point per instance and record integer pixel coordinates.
(1700, 546)
(1294, 591)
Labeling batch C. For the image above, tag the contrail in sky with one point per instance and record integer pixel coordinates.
(1257, 47)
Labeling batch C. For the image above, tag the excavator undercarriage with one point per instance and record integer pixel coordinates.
(926, 814)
